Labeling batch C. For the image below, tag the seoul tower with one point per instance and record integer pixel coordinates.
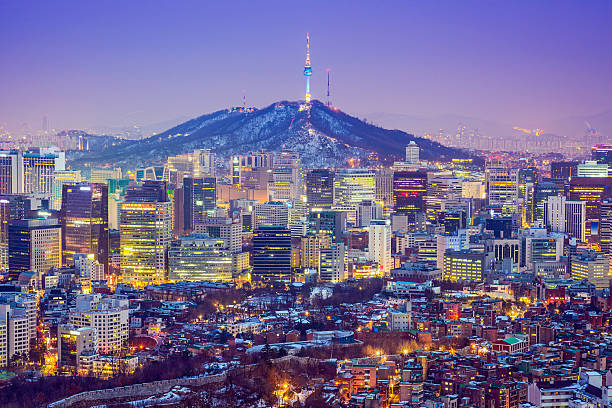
(307, 68)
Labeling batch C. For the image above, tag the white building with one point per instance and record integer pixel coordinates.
(566, 216)
(333, 263)
(271, 214)
(108, 315)
(88, 267)
(379, 244)
(367, 211)
(14, 333)
(412, 153)
(61, 178)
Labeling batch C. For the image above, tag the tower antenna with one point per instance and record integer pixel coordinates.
(244, 100)
(328, 101)
(307, 68)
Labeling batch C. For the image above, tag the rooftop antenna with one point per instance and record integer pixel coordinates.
(328, 101)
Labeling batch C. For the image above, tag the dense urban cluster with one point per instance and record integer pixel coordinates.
(254, 281)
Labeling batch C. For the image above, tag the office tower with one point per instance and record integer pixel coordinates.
(594, 266)
(200, 196)
(86, 266)
(38, 169)
(333, 263)
(11, 172)
(249, 162)
(287, 181)
(379, 245)
(592, 169)
(456, 242)
(441, 187)
(368, 210)
(149, 190)
(151, 173)
(502, 188)
(602, 153)
(12, 207)
(540, 246)
(33, 245)
(473, 189)
(383, 181)
(72, 343)
(452, 220)
(564, 170)
(605, 228)
(464, 265)
(320, 188)
(332, 223)
(566, 216)
(146, 232)
(84, 218)
(60, 179)
(225, 229)
(271, 214)
(310, 250)
(593, 191)
(198, 257)
(108, 315)
(412, 153)
(102, 176)
(543, 191)
(199, 163)
(352, 186)
(271, 253)
(526, 179)
(409, 191)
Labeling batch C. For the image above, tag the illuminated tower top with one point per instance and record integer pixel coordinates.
(307, 68)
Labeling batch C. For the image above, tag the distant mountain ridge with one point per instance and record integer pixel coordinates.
(323, 136)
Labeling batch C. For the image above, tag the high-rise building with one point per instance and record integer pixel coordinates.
(200, 197)
(287, 181)
(412, 153)
(310, 250)
(543, 191)
(333, 263)
(384, 187)
(11, 172)
(14, 333)
(409, 191)
(367, 211)
(271, 213)
(198, 257)
(102, 176)
(239, 164)
(332, 223)
(38, 169)
(593, 191)
(502, 188)
(225, 229)
(320, 188)
(108, 315)
(379, 244)
(441, 187)
(146, 232)
(464, 265)
(527, 182)
(84, 218)
(593, 169)
(352, 186)
(593, 266)
(602, 153)
(60, 179)
(12, 207)
(566, 216)
(271, 253)
(564, 170)
(605, 228)
(33, 245)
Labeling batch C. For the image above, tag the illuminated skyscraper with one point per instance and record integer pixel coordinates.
(145, 233)
(199, 257)
(502, 188)
(271, 254)
(353, 186)
(61, 178)
(320, 188)
(592, 190)
(409, 191)
(38, 170)
(200, 196)
(379, 245)
(412, 153)
(84, 218)
(33, 245)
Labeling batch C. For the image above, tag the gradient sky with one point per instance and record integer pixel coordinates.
(93, 63)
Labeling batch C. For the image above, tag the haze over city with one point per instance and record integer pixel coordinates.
(97, 65)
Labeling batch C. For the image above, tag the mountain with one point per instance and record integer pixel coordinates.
(323, 136)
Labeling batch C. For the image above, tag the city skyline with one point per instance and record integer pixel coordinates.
(84, 66)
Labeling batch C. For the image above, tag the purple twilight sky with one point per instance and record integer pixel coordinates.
(118, 63)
